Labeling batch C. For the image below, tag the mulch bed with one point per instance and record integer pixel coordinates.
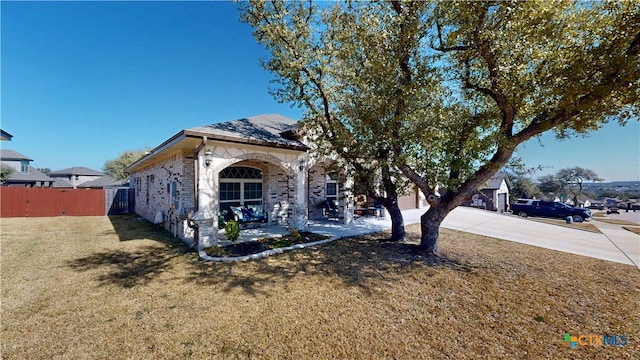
(258, 246)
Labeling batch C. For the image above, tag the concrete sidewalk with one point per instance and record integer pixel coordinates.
(626, 241)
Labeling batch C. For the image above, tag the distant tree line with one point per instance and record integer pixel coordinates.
(567, 182)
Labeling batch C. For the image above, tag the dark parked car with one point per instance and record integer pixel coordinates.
(532, 207)
(613, 210)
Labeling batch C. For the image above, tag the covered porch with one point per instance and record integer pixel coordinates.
(334, 229)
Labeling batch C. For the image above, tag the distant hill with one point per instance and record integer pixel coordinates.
(612, 184)
(615, 189)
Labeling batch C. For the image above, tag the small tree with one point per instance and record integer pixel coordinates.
(549, 184)
(576, 176)
(232, 231)
(524, 187)
(5, 173)
(116, 167)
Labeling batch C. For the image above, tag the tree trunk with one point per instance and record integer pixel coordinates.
(430, 223)
(397, 221)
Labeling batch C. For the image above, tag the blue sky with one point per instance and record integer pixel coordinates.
(84, 81)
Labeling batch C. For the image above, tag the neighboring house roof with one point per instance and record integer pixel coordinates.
(7, 155)
(61, 183)
(33, 175)
(610, 201)
(271, 130)
(78, 170)
(583, 199)
(5, 135)
(496, 181)
(103, 182)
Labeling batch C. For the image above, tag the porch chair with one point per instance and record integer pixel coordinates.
(331, 210)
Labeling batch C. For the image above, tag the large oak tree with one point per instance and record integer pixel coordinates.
(446, 91)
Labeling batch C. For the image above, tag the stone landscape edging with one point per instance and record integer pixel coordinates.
(261, 255)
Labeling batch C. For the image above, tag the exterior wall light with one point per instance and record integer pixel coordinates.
(302, 163)
(208, 158)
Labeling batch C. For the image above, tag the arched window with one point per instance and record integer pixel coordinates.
(240, 186)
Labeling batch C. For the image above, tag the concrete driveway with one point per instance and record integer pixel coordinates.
(615, 244)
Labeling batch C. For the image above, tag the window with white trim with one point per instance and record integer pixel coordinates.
(240, 186)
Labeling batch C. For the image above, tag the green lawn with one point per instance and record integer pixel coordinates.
(117, 288)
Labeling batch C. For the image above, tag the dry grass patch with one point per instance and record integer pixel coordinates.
(586, 226)
(108, 288)
(633, 229)
(616, 221)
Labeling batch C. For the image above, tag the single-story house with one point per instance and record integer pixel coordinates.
(579, 201)
(259, 167)
(493, 194)
(211, 171)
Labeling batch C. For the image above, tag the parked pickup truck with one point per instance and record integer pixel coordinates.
(533, 207)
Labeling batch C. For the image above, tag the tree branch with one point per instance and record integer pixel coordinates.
(495, 92)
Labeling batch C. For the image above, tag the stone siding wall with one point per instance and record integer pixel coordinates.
(164, 187)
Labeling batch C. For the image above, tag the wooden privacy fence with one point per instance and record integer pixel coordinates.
(44, 202)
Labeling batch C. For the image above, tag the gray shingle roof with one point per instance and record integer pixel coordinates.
(269, 129)
(61, 183)
(31, 176)
(496, 181)
(6, 154)
(78, 170)
(102, 182)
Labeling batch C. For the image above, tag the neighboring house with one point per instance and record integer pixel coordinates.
(582, 201)
(74, 176)
(493, 195)
(263, 164)
(5, 135)
(23, 173)
(607, 202)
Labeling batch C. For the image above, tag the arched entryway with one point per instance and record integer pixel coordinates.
(258, 185)
(240, 186)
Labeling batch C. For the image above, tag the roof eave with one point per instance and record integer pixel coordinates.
(214, 137)
(237, 140)
(157, 150)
